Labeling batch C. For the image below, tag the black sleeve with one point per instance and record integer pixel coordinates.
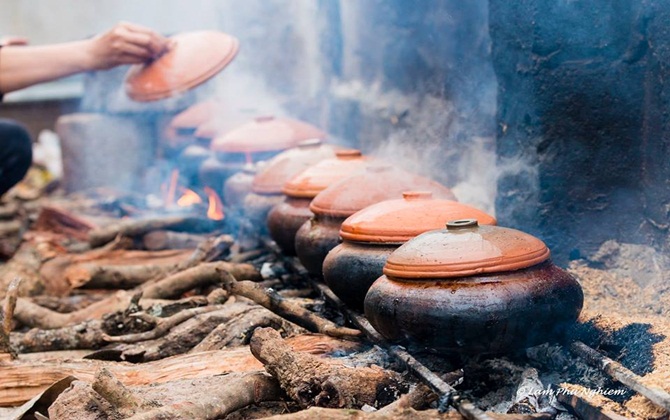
(1, 94)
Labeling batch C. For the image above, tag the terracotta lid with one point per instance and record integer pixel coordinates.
(266, 134)
(464, 249)
(377, 183)
(318, 177)
(194, 58)
(196, 115)
(398, 221)
(290, 163)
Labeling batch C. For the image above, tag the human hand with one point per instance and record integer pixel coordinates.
(126, 43)
(13, 40)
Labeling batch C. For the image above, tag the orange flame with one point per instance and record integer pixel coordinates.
(171, 193)
(188, 198)
(215, 207)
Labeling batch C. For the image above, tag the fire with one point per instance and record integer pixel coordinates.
(189, 198)
(172, 188)
(215, 206)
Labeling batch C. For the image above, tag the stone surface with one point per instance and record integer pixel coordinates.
(582, 121)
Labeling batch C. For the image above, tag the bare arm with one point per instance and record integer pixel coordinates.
(23, 66)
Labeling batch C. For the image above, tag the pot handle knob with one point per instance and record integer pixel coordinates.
(462, 224)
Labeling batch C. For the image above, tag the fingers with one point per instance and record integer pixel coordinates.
(149, 40)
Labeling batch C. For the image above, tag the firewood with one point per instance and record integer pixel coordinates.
(25, 264)
(7, 318)
(311, 381)
(202, 275)
(96, 276)
(120, 397)
(58, 220)
(10, 228)
(9, 210)
(85, 335)
(162, 327)
(216, 402)
(283, 307)
(101, 236)
(621, 374)
(165, 239)
(22, 379)
(238, 330)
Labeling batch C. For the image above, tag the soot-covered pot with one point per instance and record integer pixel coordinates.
(333, 205)
(238, 186)
(285, 218)
(370, 235)
(473, 289)
(266, 188)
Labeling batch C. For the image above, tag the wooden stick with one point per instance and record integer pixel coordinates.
(283, 307)
(85, 335)
(111, 389)
(218, 402)
(8, 317)
(23, 379)
(163, 326)
(582, 408)
(619, 373)
(172, 286)
(101, 236)
(165, 239)
(311, 381)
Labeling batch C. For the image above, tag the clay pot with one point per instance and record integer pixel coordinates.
(261, 139)
(268, 183)
(372, 234)
(333, 205)
(285, 218)
(473, 289)
(194, 58)
(236, 188)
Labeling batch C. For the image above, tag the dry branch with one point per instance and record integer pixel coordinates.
(311, 381)
(202, 275)
(86, 335)
(283, 307)
(621, 374)
(120, 397)
(23, 379)
(165, 239)
(101, 236)
(217, 402)
(163, 325)
(7, 317)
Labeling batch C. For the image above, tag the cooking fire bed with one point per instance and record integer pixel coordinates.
(167, 339)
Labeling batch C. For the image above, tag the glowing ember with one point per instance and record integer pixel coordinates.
(215, 206)
(189, 198)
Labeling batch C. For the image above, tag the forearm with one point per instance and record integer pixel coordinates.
(25, 66)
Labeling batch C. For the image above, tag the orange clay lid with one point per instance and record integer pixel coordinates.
(464, 249)
(194, 58)
(399, 220)
(376, 183)
(196, 115)
(318, 177)
(290, 163)
(266, 134)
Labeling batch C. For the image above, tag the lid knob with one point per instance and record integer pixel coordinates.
(348, 154)
(264, 118)
(461, 224)
(310, 143)
(417, 195)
